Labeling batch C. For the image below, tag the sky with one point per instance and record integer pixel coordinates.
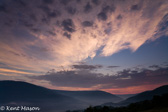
(118, 46)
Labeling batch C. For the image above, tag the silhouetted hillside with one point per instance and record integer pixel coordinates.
(147, 95)
(15, 93)
(22, 93)
(157, 104)
(91, 97)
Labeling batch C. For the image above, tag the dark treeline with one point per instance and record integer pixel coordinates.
(158, 102)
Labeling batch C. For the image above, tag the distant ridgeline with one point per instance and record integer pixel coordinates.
(157, 104)
(17, 93)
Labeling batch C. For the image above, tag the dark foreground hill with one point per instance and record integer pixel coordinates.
(15, 93)
(157, 104)
(147, 95)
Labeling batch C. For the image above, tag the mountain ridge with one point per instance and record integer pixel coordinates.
(24, 93)
(146, 95)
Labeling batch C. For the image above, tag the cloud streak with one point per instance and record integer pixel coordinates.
(13, 71)
(37, 36)
(87, 67)
(123, 79)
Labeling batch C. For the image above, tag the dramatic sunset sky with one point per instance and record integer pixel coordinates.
(119, 46)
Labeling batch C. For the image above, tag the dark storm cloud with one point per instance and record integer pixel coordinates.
(87, 23)
(86, 78)
(87, 67)
(125, 72)
(21, 2)
(135, 7)
(19, 13)
(67, 35)
(96, 2)
(54, 14)
(48, 1)
(45, 8)
(3, 8)
(45, 20)
(50, 14)
(51, 33)
(35, 30)
(105, 10)
(128, 77)
(72, 78)
(27, 24)
(33, 17)
(108, 8)
(71, 10)
(113, 66)
(78, 1)
(68, 25)
(87, 8)
(64, 2)
(102, 16)
(119, 17)
(154, 66)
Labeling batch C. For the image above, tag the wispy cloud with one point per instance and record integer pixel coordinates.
(13, 71)
(113, 66)
(87, 67)
(35, 35)
(128, 78)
